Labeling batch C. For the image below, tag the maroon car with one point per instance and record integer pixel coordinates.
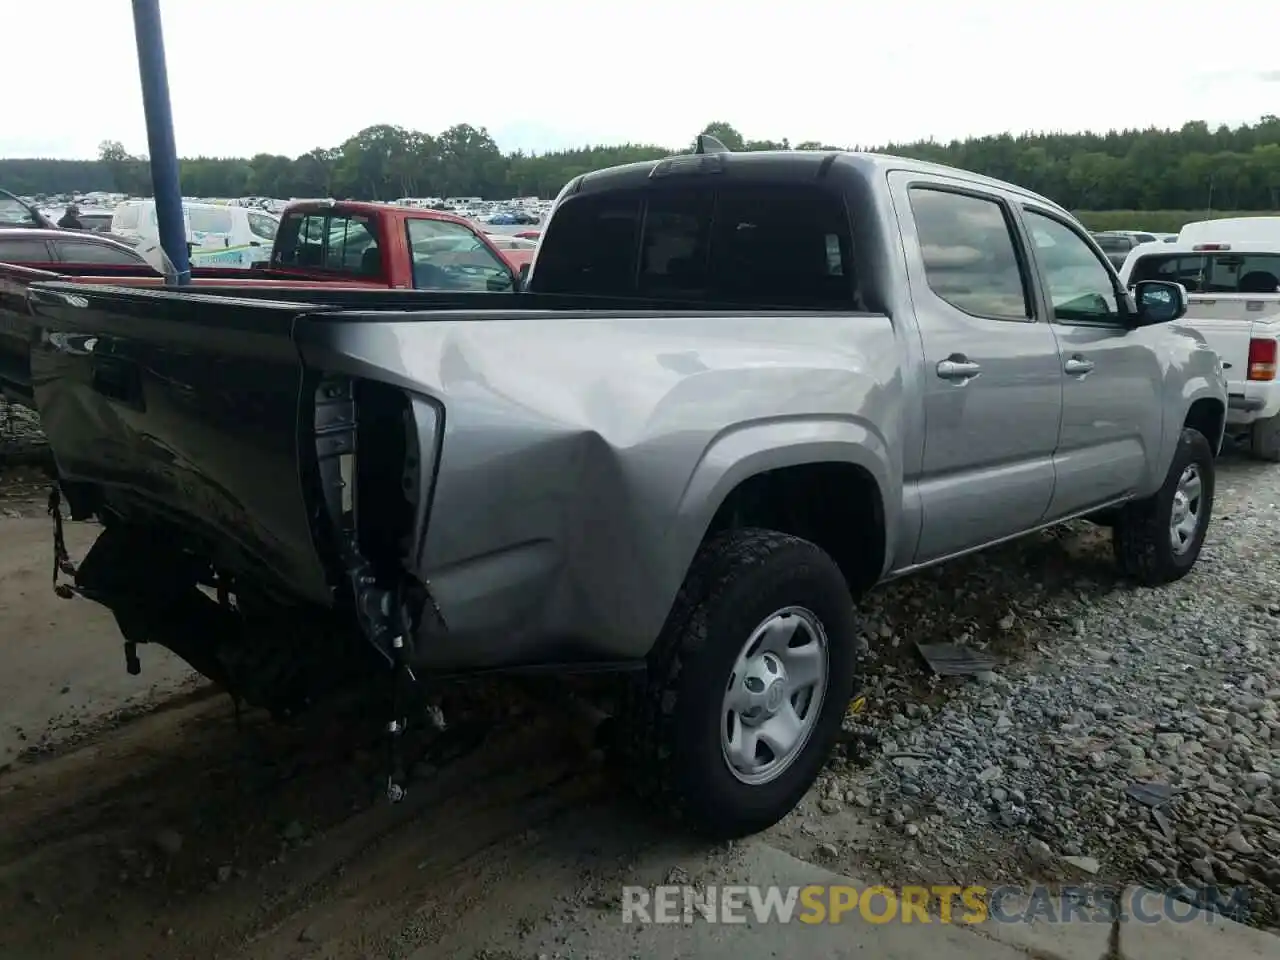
(50, 249)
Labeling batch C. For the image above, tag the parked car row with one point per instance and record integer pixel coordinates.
(1116, 244)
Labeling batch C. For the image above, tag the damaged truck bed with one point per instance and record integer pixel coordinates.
(736, 392)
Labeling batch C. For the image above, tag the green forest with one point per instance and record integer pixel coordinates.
(1165, 173)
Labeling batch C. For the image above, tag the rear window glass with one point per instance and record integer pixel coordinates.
(775, 245)
(1213, 272)
(127, 217)
(336, 243)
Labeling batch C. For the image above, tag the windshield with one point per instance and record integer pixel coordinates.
(13, 213)
(1213, 272)
(448, 256)
(329, 241)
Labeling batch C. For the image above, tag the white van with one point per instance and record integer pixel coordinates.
(220, 236)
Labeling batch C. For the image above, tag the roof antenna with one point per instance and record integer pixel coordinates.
(709, 144)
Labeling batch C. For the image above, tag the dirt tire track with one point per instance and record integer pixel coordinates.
(281, 830)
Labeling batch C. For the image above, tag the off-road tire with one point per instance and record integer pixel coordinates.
(1140, 537)
(1264, 439)
(669, 735)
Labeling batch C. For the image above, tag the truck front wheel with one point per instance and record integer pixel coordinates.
(747, 685)
(1158, 539)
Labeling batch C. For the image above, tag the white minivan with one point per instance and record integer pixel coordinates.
(219, 236)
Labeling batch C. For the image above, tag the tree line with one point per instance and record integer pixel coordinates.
(1192, 168)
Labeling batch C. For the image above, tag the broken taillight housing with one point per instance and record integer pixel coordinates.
(1262, 359)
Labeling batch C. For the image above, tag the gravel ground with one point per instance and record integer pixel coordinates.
(20, 434)
(1129, 734)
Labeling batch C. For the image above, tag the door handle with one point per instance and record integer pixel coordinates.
(1078, 366)
(957, 367)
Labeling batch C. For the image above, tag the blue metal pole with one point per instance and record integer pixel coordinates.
(164, 154)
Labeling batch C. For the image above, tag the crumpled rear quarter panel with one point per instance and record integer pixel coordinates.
(584, 456)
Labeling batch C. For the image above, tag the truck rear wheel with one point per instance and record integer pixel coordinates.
(1157, 540)
(747, 685)
(1264, 439)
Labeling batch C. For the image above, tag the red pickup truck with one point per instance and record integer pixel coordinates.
(360, 244)
(320, 244)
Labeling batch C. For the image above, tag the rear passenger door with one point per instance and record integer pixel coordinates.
(992, 375)
(1112, 407)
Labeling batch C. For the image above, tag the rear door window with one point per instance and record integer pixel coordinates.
(775, 245)
(970, 256)
(25, 251)
(79, 251)
(1221, 272)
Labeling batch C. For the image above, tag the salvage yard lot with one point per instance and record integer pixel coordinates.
(173, 834)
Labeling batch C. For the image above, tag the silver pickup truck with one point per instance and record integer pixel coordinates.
(736, 392)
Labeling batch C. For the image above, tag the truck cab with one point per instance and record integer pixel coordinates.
(407, 248)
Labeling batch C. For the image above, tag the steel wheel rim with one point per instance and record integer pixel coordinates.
(1184, 518)
(774, 695)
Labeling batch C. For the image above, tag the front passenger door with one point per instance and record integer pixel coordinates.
(1112, 381)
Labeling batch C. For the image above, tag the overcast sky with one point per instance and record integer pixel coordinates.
(544, 74)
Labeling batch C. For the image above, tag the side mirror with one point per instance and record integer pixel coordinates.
(523, 276)
(1159, 301)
